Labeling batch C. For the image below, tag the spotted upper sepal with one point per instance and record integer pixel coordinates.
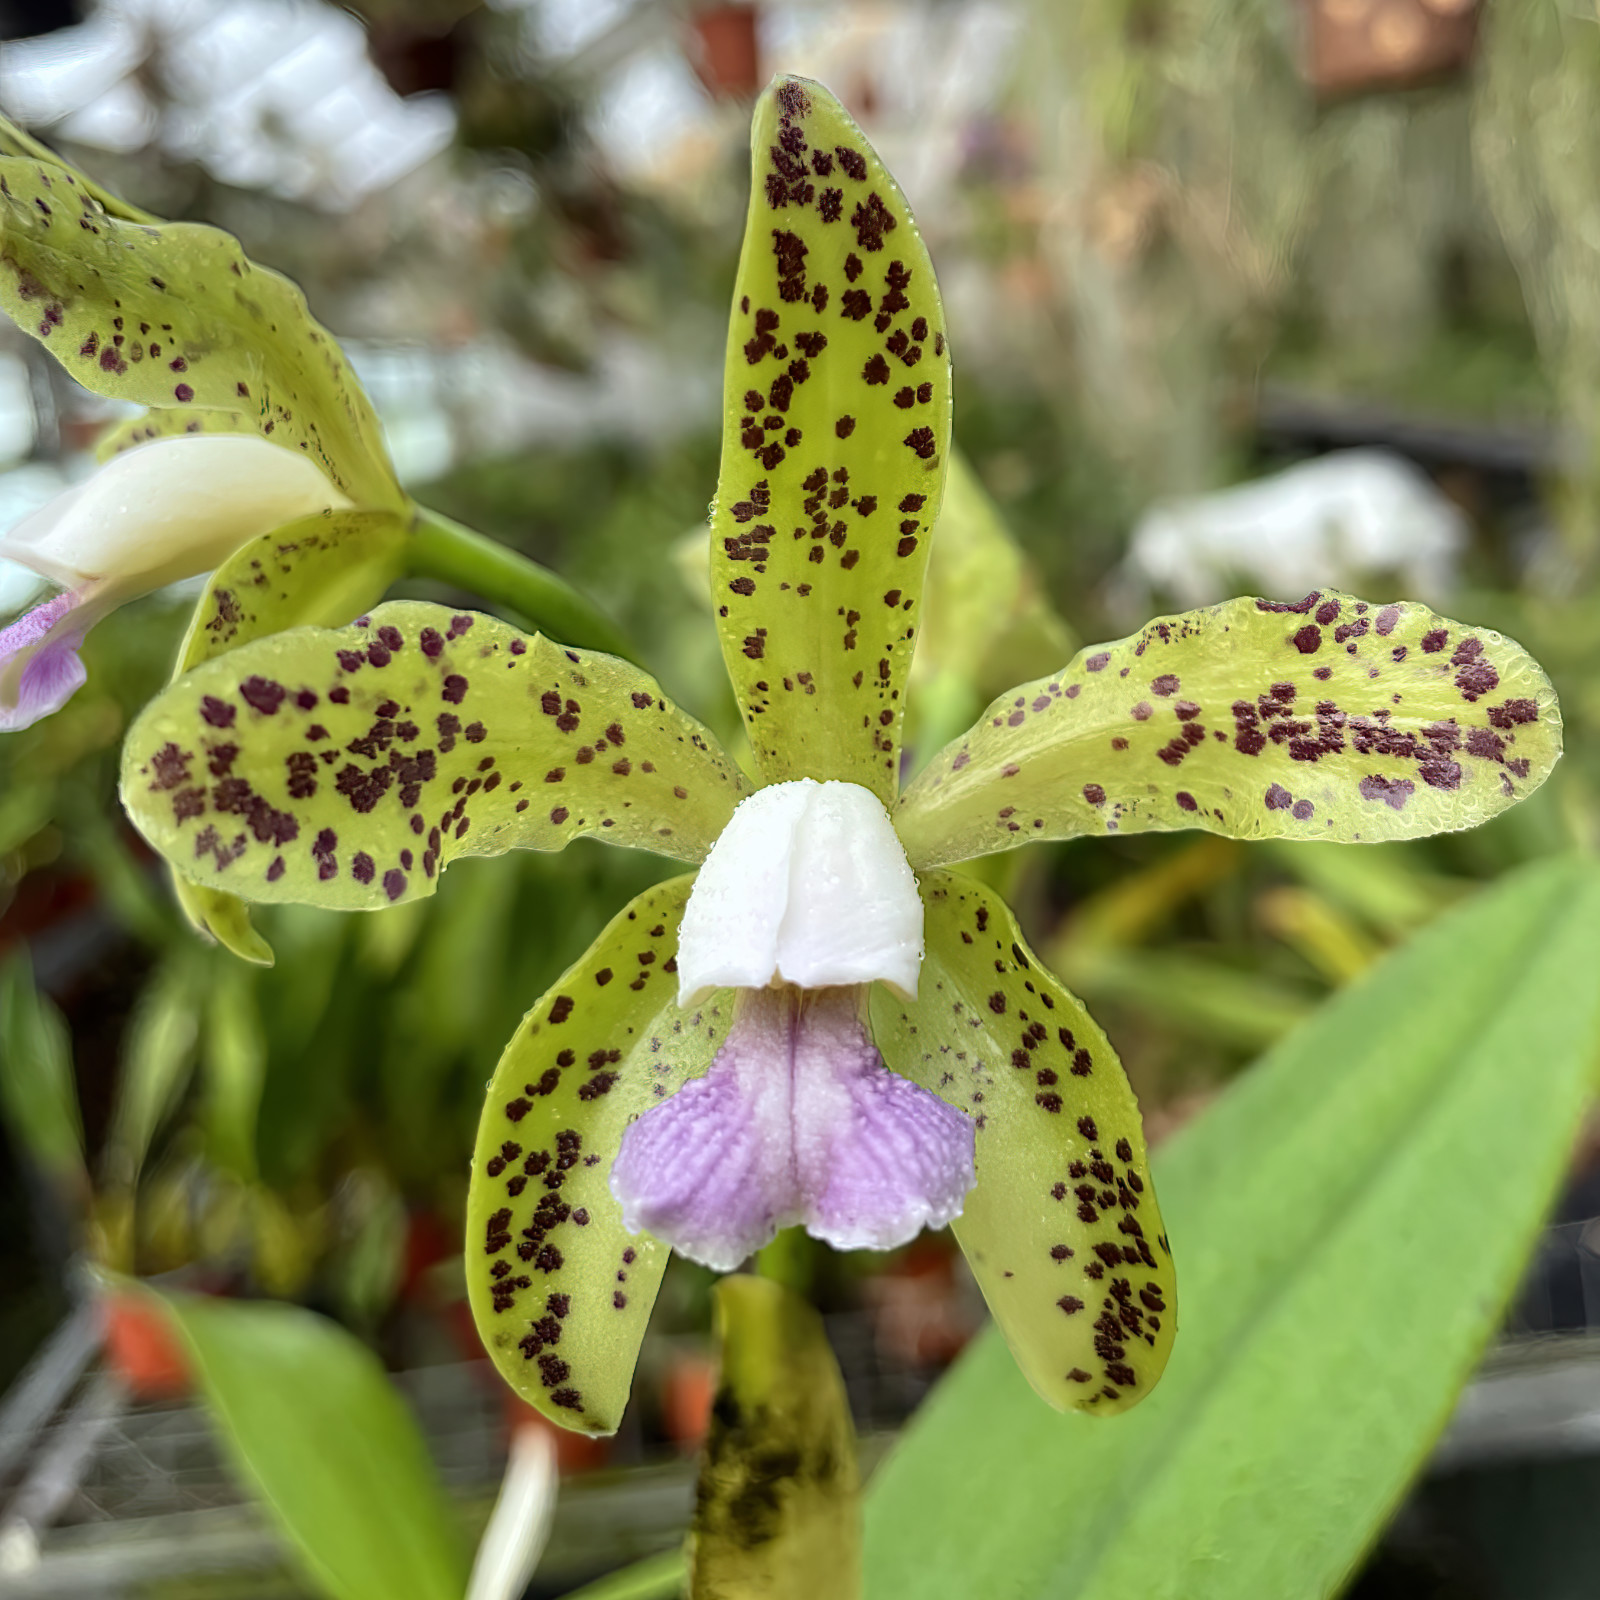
(836, 428)
(561, 1291)
(1062, 1230)
(1326, 719)
(777, 1511)
(346, 768)
(176, 316)
(320, 572)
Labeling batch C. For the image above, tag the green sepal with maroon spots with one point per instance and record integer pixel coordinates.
(347, 767)
(1062, 1230)
(1330, 718)
(320, 571)
(317, 572)
(560, 1289)
(15, 142)
(169, 424)
(175, 316)
(836, 429)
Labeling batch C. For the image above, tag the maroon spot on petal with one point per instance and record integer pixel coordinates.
(1308, 640)
(1185, 800)
(1435, 641)
(1279, 798)
(1393, 794)
(220, 714)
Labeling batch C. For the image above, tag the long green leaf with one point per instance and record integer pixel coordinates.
(1349, 1221)
(38, 1096)
(310, 1420)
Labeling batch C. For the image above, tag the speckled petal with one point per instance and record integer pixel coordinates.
(346, 768)
(877, 1158)
(712, 1169)
(1329, 718)
(1062, 1231)
(836, 429)
(560, 1290)
(175, 317)
(317, 572)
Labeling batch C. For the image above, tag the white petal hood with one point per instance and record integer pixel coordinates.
(808, 883)
(168, 510)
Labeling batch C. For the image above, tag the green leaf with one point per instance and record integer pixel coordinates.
(1350, 1219)
(777, 1512)
(1062, 1230)
(1329, 719)
(561, 1291)
(234, 1064)
(175, 316)
(347, 768)
(157, 1059)
(308, 1417)
(835, 433)
(38, 1092)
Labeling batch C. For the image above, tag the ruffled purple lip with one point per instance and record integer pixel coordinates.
(39, 665)
(798, 1120)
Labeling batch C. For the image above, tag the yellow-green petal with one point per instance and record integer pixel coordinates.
(15, 142)
(223, 917)
(319, 571)
(1330, 718)
(1062, 1230)
(835, 434)
(170, 424)
(561, 1291)
(175, 316)
(777, 1506)
(347, 767)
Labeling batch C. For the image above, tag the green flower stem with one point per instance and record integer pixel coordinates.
(446, 551)
(658, 1578)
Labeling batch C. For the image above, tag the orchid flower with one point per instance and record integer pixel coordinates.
(257, 455)
(168, 510)
(826, 1025)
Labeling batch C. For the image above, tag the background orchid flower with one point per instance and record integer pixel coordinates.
(299, 511)
(714, 1065)
(168, 510)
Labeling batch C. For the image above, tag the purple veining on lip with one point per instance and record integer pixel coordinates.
(39, 665)
(797, 1121)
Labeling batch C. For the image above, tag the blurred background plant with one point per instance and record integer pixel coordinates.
(1181, 246)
